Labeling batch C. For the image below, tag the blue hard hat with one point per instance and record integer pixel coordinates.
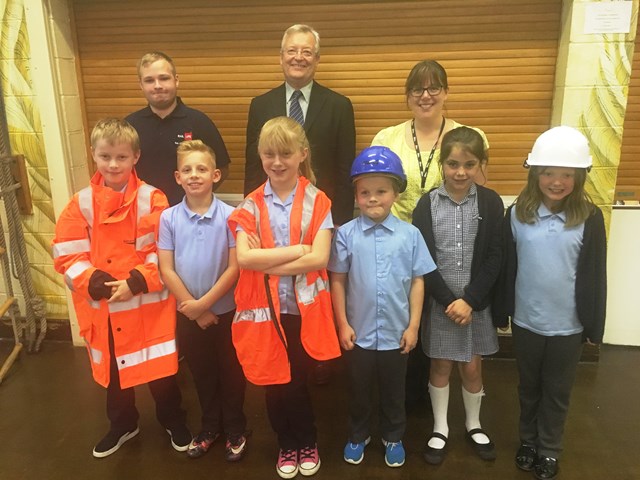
(379, 160)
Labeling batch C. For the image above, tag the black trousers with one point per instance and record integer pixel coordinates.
(216, 372)
(547, 369)
(289, 405)
(121, 403)
(387, 369)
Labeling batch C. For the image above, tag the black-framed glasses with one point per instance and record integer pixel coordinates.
(432, 90)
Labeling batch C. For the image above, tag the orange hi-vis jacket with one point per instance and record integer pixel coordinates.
(257, 332)
(115, 232)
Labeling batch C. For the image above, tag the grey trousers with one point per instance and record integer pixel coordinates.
(547, 370)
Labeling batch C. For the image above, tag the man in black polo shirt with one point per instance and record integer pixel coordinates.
(166, 122)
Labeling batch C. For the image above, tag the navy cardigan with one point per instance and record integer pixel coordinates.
(487, 251)
(591, 278)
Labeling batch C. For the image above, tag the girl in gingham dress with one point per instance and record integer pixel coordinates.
(461, 224)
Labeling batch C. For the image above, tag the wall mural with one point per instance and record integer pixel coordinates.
(606, 108)
(25, 133)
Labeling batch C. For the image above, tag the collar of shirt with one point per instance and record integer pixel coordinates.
(268, 191)
(306, 92)
(443, 191)
(209, 213)
(544, 212)
(389, 223)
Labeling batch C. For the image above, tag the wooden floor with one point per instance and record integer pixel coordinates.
(51, 414)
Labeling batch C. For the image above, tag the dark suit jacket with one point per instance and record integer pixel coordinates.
(330, 128)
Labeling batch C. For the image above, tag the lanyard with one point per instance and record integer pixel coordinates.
(424, 172)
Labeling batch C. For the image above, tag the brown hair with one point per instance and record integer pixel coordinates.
(283, 134)
(190, 146)
(577, 205)
(466, 139)
(426, 70)
(151, 57)
(115, 130)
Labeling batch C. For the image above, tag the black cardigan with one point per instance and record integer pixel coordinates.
(591, 278)
(487, 251)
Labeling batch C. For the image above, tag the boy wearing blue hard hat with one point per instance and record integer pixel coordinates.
(377, 263)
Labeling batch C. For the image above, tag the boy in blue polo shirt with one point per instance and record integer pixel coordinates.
(198, 264)
(377, 263)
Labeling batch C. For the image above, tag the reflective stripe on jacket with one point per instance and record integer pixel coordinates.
(258, 336)
(115, 232)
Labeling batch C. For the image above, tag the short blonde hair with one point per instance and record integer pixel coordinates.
(283, 134)
(190, 146)
(151, 57)
(115, 130)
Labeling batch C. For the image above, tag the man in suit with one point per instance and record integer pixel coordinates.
(327, 118)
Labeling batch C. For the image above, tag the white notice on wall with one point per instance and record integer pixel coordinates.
(608, 17)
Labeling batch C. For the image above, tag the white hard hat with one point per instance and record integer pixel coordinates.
(560, 147)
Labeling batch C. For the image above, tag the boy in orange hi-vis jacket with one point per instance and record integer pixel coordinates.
(105, 246)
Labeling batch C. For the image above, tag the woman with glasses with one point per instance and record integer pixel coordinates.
(417, 141)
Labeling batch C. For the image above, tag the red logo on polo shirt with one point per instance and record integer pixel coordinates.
(188, 136)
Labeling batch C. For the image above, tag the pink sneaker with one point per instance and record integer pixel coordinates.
(287, 466)
(308, 460)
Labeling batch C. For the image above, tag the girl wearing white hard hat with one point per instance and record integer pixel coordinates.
(554, 289)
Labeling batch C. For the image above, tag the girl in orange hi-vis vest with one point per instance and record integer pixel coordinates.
(284, 316)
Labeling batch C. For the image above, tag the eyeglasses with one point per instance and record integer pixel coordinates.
(304, 52)
(432, 90)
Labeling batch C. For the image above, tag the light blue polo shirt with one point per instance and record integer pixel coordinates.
(200, 245)
(381, 260)
(546, 279)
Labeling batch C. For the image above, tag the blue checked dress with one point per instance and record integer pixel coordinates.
(455, 226)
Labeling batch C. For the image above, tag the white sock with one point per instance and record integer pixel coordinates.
(472, 403)
(440, 405)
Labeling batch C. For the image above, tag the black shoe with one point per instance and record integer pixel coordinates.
(201, 444)
(546, 468)
(112, 441)
(180, 437)
(486, 451)
(526, 457)
(235, 448)
(435, 456)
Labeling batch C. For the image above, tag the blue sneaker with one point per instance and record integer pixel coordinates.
(393, 454)
(354, 452)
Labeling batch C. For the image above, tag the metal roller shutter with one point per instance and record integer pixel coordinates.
(500, 57)
(628, 183)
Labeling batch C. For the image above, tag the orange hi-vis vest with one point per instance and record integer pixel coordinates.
(257, 332)
(116, 232)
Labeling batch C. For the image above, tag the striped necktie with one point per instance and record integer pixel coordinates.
(295, 111)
